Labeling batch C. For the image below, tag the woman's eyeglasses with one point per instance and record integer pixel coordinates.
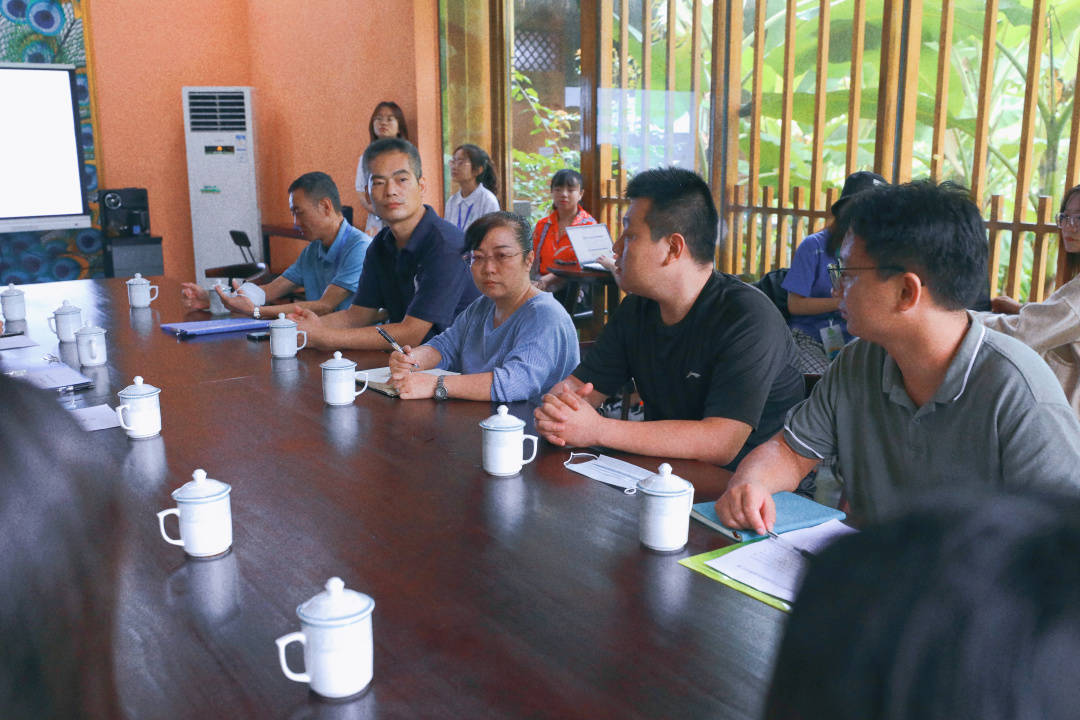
(500, 258)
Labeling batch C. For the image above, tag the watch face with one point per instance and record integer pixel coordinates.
(440, 389)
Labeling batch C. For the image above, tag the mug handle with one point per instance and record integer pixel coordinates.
(361, 390)
(303, 344)
(52, 324)
(161, 524)
(535, 444)
(120, 416)
(282, 642)
(153, 293)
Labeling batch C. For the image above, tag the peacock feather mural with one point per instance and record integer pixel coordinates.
(50, 31)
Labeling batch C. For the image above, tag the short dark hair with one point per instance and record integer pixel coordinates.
(567, 177)
(479, 158)
(478, 230)
(388, 145)
(932, 230)
(967, 608)
(317, 185)
(60, 532)
(681, 203)
(402, 127)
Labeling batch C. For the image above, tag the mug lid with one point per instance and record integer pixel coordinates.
(335, 606)
(664, 483)
(282, 322)
(338, 363)
(502, 420)
(11, 291)
(201, 489)
(66, 308)
(139, 389)
(138, 280)
(90, 330)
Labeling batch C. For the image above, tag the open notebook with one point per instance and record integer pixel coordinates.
(379, 379)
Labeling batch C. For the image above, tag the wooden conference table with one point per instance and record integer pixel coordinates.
(495, 597)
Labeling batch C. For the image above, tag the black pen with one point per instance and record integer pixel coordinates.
(393, 343)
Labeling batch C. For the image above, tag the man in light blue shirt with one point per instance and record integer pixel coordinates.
(328, 269)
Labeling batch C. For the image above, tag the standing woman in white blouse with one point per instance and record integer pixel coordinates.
(1051, 327)
(386, 121)
(471, 168)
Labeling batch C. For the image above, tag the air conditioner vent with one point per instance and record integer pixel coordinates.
(216, 111)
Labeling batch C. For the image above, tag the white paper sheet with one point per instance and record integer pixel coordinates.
(16, 341)
(382, 375)
(589, 241)
(774, 568)
(608, 470)
(97, 417)
(52, 376)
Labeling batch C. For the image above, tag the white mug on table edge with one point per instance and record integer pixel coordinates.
(205, 515)
(90, 342)
(13, 303)
(339, 380)
(665, 502)
(140, 292)
(337, 639)
(283, 334)
(142, 406)
(65, 320)
(503, 444)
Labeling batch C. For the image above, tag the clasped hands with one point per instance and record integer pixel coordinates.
(566, 418)
(410, 384)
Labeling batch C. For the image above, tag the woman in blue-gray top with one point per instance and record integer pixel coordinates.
(513, 343)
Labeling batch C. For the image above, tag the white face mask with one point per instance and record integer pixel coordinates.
(609, 470)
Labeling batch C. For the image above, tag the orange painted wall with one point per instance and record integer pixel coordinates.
(318, 69)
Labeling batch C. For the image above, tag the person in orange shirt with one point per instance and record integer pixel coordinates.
(550, 243)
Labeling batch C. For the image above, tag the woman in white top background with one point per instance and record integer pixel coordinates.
(472, 170)
(387, 120)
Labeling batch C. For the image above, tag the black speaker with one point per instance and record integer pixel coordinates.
(124, 212)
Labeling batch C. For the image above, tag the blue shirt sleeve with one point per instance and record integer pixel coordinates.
(449, 342)
(801, 276)
(544, 351)
(440, 280)
(347, 274)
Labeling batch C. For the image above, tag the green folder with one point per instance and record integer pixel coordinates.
(697, 562)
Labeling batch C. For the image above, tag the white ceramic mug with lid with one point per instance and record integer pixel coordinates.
(142, 406)
(140, 292)
(504, 442)
(65, 320)
(283, 334)
(90, 341)
(339, 380)
(13, 303)
(336, 635)
(216, 306)
(205, 515)
(664, 510)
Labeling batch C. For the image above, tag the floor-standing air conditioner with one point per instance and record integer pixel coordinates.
(219, 127)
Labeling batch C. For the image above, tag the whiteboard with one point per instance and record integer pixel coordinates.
(41, 172)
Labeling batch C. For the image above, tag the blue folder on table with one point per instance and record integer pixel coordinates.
(210, 327)
(793, 512)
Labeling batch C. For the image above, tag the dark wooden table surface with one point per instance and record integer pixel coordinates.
(514, 597)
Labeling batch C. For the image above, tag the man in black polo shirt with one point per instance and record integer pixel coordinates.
(413, 268)
(712, 357)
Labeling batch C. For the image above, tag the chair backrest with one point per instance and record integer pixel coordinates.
(771, 283)
(242, 241)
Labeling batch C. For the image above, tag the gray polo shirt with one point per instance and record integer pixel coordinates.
(999, 418)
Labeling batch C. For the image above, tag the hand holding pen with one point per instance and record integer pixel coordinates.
(402, 356)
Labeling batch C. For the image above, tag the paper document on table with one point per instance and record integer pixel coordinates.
(52, 376)
(608, 470)
(379, 378)
(97, 417)
(772, 566)
(13, 342)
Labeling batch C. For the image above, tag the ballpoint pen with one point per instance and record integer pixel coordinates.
(802, 551)
(393, 343)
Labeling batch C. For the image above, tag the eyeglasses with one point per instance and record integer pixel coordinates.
(838, 273)
(1068, 222)
(458, 161)
(500, 258)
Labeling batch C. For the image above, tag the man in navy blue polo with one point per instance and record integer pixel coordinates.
(413, 268)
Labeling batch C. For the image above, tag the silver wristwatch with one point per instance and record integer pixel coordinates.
(256, 314)
(440, 389)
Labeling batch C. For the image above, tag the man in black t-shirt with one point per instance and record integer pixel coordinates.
(712, 357)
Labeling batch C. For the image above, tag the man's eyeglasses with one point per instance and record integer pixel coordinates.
(1068, 222)
(500, 258)
(838, 273)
